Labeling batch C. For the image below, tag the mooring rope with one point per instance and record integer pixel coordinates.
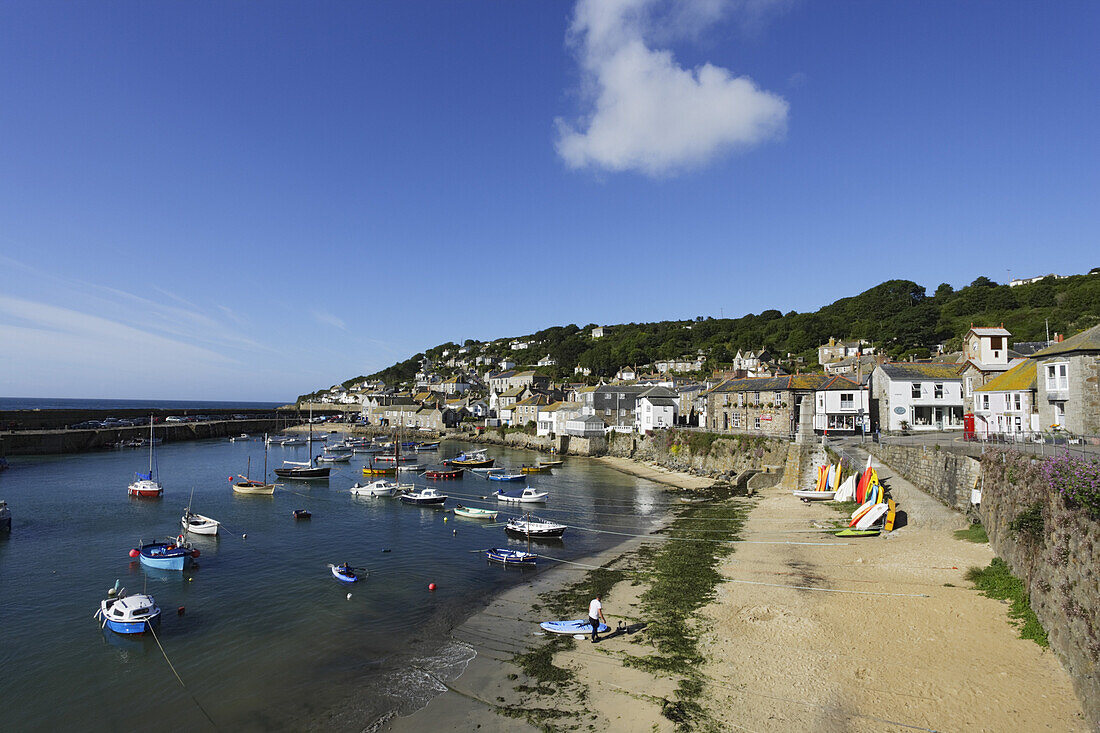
(177, 674)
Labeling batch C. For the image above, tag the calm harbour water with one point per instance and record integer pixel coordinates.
(268, 640)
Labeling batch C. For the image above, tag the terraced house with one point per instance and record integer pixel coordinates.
(766, 405)
(1068, 384)
(917, 396)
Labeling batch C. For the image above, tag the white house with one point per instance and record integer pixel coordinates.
(520, 345)
(454, 385)
(840, 406)
(653, 412)
(547, 361)
(1006, 405)
(582, 370)
(923, 396)
(552, 418)
(586, 426)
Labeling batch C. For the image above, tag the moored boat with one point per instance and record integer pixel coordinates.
(173, 554)
(240, 438)
(302, 513)
(380, 487)
(334, 458)
(533, 527)
(424, 447)
(373, 470)
(5, 517)
(551, 464)
(124, 614)
(474, 512)
(504, 476)
(144, 485)
(198, 524)
(510, 557)
(533, 469)
(472, 462)
(443, 473)
(424, 497)
(526, 495)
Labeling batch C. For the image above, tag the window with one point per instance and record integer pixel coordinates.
(969, 386)
(985, 402)
(737, 419)
(740, 399)
(915, 393)
(1016, 401)
(756, 398)
(847, 400)
(1057, 377)
(938, 391)
(778, 399)
(756, 424)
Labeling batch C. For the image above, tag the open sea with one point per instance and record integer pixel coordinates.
(269, 640)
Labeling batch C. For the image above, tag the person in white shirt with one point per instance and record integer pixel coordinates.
(595, 614)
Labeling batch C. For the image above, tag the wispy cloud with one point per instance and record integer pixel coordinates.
(327, 319)
(649, 114)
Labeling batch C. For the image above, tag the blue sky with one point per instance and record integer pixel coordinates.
(240, 200)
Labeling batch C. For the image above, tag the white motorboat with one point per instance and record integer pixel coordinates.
(424, 497)
(198, 524)
(527, 495)
(412, 467)
(124, 614)
(334, 458)
(381, 487)
(533, 527)
(240, 438)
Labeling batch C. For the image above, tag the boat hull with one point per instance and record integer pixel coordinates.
(429, 501)
(345, 578)
(303, 474)
(463, 511)
(457, 473)
(145, 489)
(485, 463)
(131, 626)
(157, 555)
(251, 488)
(510, 557)
(199, 524)
(506, 477)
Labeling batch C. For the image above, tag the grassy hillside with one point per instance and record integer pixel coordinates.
(898, 316)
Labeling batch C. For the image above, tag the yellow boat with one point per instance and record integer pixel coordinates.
(379, 470)
(550, 464)
(534, 469)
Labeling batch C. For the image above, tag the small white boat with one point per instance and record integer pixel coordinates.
(294, 441)
(334, 458)
(198, 524)
(533, 527)
(526, 495)
(241, 437)
(424, 497)
(815, 495)
(412, 467)
(124, 614)
(381, 487)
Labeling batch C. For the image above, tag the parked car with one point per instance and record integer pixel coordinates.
(174, 418)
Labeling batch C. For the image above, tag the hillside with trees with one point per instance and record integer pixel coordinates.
(897, 316)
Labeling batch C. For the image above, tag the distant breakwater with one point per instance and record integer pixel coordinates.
(55, 441)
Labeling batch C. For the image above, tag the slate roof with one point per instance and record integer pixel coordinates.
(660, 401)
(788, 383)
(1017, 379)
(916, 372)
(1088, 340)
(990, 331)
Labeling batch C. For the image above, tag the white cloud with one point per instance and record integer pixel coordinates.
(647, 112)
(327, 319)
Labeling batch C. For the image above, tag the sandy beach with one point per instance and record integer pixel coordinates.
(806, 632)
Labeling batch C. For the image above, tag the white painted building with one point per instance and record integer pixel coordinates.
(842, 409)
(586, 426)
(1006, 405)
(552, 418)
(924, 396)
(651, 413)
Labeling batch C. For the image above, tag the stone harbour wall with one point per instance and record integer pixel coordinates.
(946, 476)
(704, 454)
(1058, 557)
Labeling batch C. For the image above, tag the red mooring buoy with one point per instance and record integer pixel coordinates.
(134, 553)
(431, 586)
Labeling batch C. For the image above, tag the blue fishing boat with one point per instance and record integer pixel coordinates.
(510, 557)
(124, 614)
(502, 476)
(174, 554)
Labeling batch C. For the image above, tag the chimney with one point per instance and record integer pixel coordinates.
(1059, 337)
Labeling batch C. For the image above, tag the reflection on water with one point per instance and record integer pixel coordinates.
(267, 640)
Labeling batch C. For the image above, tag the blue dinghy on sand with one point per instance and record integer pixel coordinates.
(579, 626)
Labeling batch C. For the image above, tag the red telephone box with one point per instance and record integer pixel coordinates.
(968, 426)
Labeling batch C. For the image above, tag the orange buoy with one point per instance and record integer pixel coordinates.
(431, 586)
(134, 553)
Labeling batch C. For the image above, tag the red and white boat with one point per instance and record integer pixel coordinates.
(144, 484)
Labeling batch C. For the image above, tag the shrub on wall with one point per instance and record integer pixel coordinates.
(1077, 480)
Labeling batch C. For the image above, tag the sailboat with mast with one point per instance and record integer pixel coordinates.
(304, 470)
(249, 485)
(145, 485)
